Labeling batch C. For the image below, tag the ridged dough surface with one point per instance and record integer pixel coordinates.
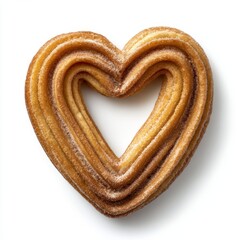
(163, 145)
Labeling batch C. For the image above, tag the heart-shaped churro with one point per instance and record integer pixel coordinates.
(161, 148)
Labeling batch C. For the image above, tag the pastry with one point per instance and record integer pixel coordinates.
(164, 144)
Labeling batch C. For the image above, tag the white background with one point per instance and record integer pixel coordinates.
(37, 203)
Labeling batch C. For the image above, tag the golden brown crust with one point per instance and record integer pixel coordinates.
(164, 144)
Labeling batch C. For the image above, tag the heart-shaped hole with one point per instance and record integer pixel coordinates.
(119, 119)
